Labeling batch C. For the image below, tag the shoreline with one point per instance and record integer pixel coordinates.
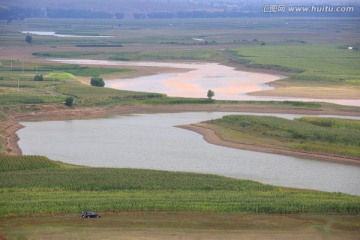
(210, 136)
(60, 113)
(11, 138)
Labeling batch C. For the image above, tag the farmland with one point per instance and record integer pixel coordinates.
(312, 54)
(42, 198)
(64, 189)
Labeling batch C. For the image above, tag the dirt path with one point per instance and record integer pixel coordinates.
(172, 225)
(211, 136)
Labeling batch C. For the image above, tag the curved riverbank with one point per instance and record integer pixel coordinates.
(210, 135)
(52, 112)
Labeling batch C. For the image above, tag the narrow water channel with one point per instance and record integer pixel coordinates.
(150, 141)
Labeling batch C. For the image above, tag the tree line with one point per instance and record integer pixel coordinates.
(15, 13)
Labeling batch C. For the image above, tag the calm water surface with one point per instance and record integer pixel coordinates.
(227, 82)
(49, 33)
(151, 141)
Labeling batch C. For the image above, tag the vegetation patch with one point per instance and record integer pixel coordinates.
(81, 71)
(88, 95)
(323, 135)
(28, 98)
(60, 75)
(64, 54)
(18, 163)
(33, 185)
(203, 55)
(316, 63)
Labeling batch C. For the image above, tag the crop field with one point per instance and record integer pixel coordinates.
(323, 135)
(33, 185)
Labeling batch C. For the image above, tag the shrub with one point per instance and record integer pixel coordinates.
(97, 82)
(38, 77)
(69, 101)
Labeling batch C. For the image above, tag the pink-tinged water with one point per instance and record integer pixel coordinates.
(227, 82)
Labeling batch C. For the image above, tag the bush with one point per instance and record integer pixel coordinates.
(38, 77)
(69, 101)
(97, 82)
(28, 39)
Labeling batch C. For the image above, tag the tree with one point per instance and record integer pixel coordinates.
(97, 82)
(38, 77)
(210, 94)
(28, 39)
(69, 101)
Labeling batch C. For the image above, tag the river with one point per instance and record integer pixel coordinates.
(227, 82)
(54, 34)
(150, 141)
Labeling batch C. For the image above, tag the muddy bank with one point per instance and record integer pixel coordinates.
(210, 135)
(10, 126)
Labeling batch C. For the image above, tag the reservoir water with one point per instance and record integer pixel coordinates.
(49, 33)
(150, 141)
(228, 83)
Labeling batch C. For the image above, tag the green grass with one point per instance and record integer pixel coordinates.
(16, 163)
(64, 54)
(28, 98)
(89, 95)
(203, 55)
(33, 185)
(82, 71)
(337, 123)
(61, 81)
(311, 63)
(60, 75)
(325, 135)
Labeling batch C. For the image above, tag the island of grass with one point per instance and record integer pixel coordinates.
(317, 138)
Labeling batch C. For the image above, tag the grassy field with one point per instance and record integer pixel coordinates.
(223, 31)
(17, 85)
(320, 135)
(318, 70)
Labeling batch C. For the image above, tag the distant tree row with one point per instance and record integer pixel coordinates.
(19, 13)
(12, 13)
(235, 14)
(77, 13)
